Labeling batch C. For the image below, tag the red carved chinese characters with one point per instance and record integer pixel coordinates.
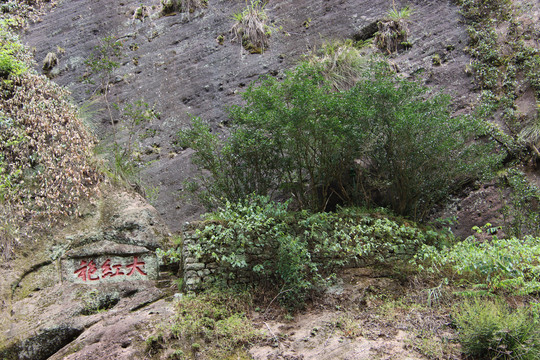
(135, 266)
(88, 269)
(107, 271)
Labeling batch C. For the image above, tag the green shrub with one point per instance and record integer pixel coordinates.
(501, 264)
(11, 52)
(386, 141)
(490, 330)
(9, 66)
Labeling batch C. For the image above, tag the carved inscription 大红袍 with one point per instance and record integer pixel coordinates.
(110, 268)
(89, 271)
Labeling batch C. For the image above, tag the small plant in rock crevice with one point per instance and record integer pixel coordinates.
(183, 6)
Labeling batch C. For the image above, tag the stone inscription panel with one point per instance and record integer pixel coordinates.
(108, 269)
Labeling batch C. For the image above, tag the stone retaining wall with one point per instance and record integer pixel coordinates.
(200, 272)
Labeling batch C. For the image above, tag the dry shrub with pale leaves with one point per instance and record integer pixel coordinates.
(47, 169)
(54, 154)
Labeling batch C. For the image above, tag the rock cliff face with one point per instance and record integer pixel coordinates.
(184, 64)
(177, 63)
(62, 286)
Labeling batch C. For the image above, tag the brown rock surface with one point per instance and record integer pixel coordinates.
(41, 311)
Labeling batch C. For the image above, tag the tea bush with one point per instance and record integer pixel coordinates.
(386, 141)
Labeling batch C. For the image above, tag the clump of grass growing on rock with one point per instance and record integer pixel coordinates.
(393, 31)
(341, 63)
(252, 28)
(185, 6)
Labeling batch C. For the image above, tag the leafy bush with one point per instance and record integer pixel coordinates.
(11, 54)
(295, 251)
(490, 330)
(385, 141)
(508, 264)
(8, 65)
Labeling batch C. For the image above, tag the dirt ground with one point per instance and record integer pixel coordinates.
(368, 315)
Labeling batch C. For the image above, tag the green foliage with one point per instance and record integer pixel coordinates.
(502, 264)
(385, 141)
(154, 343)
(400, 14)
(103, 61)
(217, 319)
(296, 251)
(11, 54)
(521, 212)
(172, 255)
(479, 10)
(504, 64)
(491, 330)
(9, 66)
